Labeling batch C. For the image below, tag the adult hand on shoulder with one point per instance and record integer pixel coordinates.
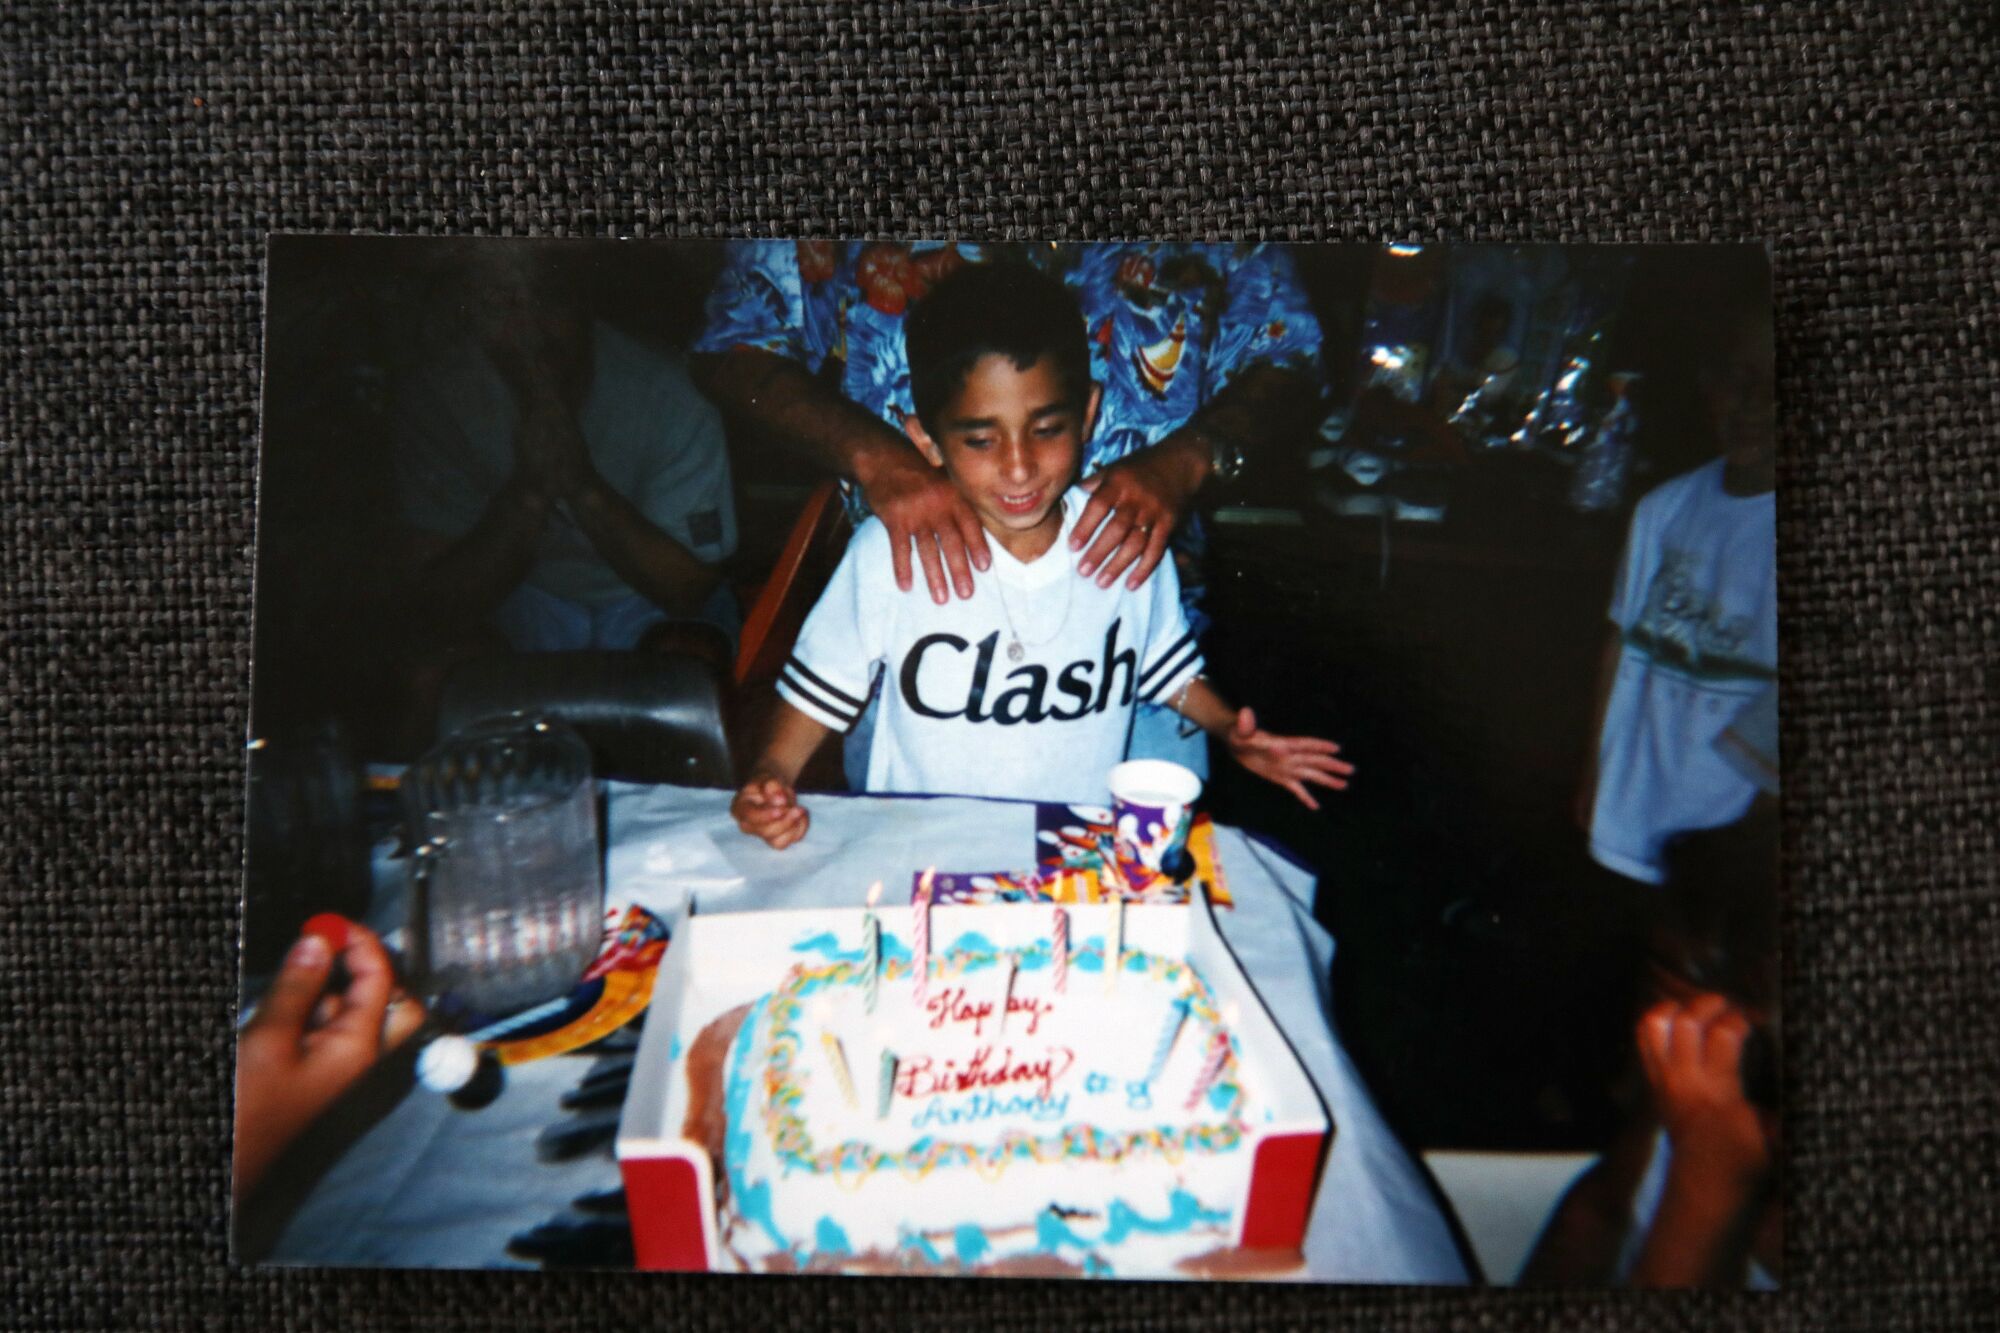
(1134, 505)
(1289, 761)
(1692, 1052)
(769, 809)
(921, 508)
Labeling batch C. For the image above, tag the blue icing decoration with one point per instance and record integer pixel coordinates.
(1184, 1210)
(755, 1205)
(1052, 1233)
(827, 945)
(1089, 955)
(828, 1238)
(917, 1241)
(1221, 1095)
(970, 1242)
(1095, 1267)
(674, 1047)
(985, 953)
(754, 1202)
(987, 1106)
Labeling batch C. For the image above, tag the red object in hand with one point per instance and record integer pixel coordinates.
(329, 926)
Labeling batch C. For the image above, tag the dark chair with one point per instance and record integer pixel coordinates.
(647, 717)
(812, 549)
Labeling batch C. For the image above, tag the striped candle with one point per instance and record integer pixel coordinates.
(837, 1057)
(885, 1085)
(1061, 948)
(1114, 950)
(920, 938)
(1176, 1019)
(871, 955)
(1218, 1055)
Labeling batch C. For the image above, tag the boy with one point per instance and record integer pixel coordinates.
(1026, 689)
(1694, 633)
(1687, 1193)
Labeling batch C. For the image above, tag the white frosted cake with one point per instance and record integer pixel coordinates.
(1096, 1127)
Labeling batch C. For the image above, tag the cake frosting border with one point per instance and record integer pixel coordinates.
(969, 953)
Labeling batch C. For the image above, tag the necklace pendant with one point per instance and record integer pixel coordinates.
(1014, 651)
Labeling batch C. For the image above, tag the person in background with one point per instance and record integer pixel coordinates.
(1694, 632)
(1206, 354)
(561, 479)
(310, 1042)
(1687, 1194)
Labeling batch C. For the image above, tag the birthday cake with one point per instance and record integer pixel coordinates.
(1016, 1116)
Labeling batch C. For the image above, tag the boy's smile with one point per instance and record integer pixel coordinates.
(1011, 440)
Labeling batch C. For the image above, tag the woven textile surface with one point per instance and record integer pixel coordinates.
(146, 150)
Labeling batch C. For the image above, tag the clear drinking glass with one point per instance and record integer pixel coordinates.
(507, 882)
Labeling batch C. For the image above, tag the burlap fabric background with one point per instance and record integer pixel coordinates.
(146, 149)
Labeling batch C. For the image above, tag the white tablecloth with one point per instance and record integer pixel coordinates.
(431, 1185)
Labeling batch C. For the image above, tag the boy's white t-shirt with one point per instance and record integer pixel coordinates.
(1697, 607)
(957, 716)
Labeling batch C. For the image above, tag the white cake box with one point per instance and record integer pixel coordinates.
(1090, 1147)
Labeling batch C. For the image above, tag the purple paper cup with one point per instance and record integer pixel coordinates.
(1152, 807)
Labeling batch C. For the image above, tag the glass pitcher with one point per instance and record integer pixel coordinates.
(506, 882)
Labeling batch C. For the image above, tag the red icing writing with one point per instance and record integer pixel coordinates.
(921, 1076)
(951, 1006)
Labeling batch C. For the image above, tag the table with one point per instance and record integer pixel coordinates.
(430, 1185)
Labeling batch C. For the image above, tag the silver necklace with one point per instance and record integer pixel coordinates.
(1015, 650)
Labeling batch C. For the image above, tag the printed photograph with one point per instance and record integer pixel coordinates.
(1132, 760)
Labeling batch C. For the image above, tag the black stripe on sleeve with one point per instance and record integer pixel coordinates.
(806, 673)
(1172, 652)
(818, 700)
(1192, 657)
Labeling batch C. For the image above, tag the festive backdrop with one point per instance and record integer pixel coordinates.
(147, 149)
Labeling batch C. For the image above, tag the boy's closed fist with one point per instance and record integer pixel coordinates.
(1289, 761)
(1693, 1052)
(768, 808)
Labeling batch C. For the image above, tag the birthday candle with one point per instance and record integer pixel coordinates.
(1062, 950)
(1007, 994)
(885, 1087)
(1115, 953)
(871, 948)
(1176, 1018)
(837, 1057)
(1218, 1053)
(1114, 872)
(920, 933)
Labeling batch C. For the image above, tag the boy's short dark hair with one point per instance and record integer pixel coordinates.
(1000, 309)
